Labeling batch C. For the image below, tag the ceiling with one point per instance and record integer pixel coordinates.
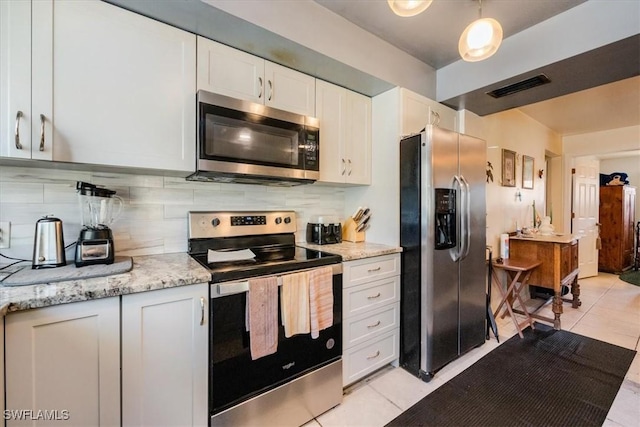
(578, 101)
(432, 36)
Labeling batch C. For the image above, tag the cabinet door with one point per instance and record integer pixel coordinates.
(21, 127)
(289, 90)
(331, 104)
(230, 72)
(65, 358)
(164, 357)
(358, 139)
(628, 230)
(123, 87)
(419, 111)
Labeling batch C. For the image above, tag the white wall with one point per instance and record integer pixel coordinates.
(313, 26)
(154, 219)
(515, 131)
(588, 144)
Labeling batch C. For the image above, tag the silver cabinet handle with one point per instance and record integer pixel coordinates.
(261, 87)
(270, 89)
(350, 169)
(372, 270)
(374, 296)
(373, 356)
(18, 116)
(201, 311)
(374, 325)
(344, 167)
(42, 132)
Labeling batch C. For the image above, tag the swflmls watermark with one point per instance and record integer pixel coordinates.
(36, 414)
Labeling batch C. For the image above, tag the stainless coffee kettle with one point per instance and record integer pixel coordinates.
(48, 244)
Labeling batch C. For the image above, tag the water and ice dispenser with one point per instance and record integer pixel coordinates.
(445, 220)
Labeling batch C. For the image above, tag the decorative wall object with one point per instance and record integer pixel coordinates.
(527, 172)
(489, 172)
(508, 168)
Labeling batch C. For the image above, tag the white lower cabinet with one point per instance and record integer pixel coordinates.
(164, 357)
(63, 365)
(371, 315)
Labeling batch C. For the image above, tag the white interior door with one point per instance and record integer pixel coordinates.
(586, 180)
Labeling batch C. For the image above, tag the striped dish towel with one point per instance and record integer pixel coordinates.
(320, 299)
(294, 303)
(262, 313)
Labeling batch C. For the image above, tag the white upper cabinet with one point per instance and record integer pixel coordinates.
(25, 127)
(231, 72)
(419, 111)
(114, 88)
(345, 135)
(123, 88)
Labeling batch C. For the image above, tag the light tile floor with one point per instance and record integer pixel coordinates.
(610, 312)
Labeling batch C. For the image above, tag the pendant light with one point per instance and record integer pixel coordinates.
(408, 7)
(480, 39)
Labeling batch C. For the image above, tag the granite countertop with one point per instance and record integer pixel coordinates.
(149, 273)
(553, 238)
(351, 251)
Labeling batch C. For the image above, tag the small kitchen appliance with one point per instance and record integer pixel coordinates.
(48, 244)
(249, 143)
(99, 207)
(324, 230)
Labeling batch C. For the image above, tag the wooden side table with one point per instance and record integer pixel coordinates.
(519, 271)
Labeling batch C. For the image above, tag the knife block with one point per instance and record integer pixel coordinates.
(349, 232)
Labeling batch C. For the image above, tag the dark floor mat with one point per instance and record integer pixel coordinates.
(548, 378)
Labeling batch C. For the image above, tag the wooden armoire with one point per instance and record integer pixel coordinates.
(617, 219)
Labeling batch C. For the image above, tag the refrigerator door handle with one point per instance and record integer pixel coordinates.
(466, 242)
(457, 256)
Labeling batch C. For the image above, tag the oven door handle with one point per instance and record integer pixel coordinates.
(230, 288)
(233, 288)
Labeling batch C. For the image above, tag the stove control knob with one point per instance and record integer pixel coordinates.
(287, 220)
(215, 222)
(278, 220)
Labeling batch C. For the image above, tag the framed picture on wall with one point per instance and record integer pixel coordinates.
(508, 168)
(527, 172)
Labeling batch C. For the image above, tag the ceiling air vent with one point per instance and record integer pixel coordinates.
(529, 83)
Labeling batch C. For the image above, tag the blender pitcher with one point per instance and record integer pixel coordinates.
(97, 205)
(99, 208)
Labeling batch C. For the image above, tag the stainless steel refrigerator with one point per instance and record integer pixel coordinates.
(442, 233)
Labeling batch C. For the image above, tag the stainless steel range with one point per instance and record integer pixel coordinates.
(303, 377)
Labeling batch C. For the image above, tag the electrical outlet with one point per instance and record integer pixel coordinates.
(5, 234)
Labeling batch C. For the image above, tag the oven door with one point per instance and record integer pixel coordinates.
(234, 377)
(239, 137)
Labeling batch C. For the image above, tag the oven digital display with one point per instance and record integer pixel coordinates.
(249, 220)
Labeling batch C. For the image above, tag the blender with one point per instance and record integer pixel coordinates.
(99, 208)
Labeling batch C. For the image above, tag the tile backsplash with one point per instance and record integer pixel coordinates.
(154, 218)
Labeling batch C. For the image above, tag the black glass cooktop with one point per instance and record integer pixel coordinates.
(267, 261)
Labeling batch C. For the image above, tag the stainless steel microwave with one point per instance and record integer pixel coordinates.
(245, 142)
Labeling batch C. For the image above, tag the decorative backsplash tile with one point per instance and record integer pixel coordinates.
(154, 218)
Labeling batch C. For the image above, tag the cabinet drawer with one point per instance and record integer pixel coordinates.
(370, 325)
(370, 296)
(365, 270)
(369, 356)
